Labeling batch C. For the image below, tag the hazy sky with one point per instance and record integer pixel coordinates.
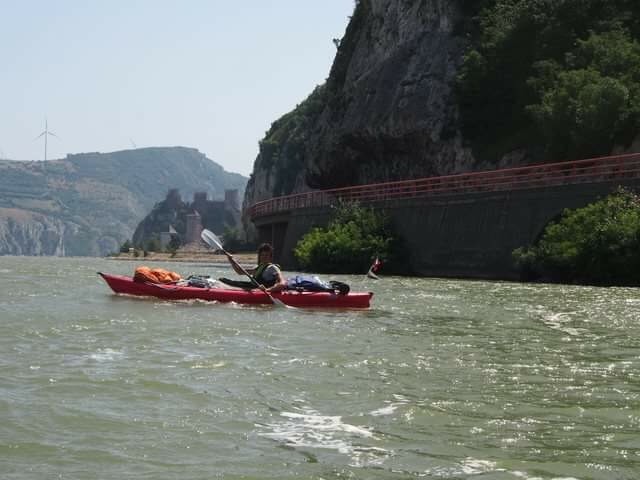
(111, 75)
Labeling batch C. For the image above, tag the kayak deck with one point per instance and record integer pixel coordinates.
(126, 285)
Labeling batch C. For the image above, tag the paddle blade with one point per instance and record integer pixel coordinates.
(279, 303)
(211, 239)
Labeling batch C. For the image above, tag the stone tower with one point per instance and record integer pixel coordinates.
(200, 201)
(232, 199)
(173, 199)
(194, 228)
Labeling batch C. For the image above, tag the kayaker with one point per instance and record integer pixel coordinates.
(267, 273)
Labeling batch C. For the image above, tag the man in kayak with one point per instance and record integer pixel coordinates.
(267, 273)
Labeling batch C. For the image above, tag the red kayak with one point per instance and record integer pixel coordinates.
(126, 285)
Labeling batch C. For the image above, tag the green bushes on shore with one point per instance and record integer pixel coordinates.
(350, 242)
(597, 244)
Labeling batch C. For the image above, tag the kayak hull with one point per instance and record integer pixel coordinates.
(126, 285)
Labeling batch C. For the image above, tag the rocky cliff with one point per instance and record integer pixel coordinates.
(29, 233)
(89, 204)
(387, 111)
(433, 87)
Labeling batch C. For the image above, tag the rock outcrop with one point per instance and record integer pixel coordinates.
(28, 233)
(387, 111)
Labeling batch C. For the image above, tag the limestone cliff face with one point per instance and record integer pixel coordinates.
(28, 233)
(387, 111)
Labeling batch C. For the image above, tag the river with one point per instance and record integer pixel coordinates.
(446, 379)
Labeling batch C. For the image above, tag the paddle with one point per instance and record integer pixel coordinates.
(213, 241)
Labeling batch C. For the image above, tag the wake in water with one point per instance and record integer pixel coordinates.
(310, 429)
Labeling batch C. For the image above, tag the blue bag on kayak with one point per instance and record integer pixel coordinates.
(310, 283)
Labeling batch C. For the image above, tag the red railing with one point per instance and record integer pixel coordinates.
(594, 170)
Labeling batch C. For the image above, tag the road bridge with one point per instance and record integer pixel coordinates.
(456, 225)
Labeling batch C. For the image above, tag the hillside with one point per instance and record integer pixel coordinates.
(88, 204)
(434, 87)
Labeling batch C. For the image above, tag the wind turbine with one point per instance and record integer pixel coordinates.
(46, 133)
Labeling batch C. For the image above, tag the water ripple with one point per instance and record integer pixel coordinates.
(441, 379)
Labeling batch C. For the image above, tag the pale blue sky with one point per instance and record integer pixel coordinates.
(210, 74)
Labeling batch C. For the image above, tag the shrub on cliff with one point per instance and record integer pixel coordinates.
(352, 239)
(597, 244)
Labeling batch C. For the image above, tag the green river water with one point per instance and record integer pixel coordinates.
(444, 379)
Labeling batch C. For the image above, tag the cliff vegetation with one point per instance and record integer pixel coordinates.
(559, 79)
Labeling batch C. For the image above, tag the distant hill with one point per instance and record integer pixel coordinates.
(90, 203)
